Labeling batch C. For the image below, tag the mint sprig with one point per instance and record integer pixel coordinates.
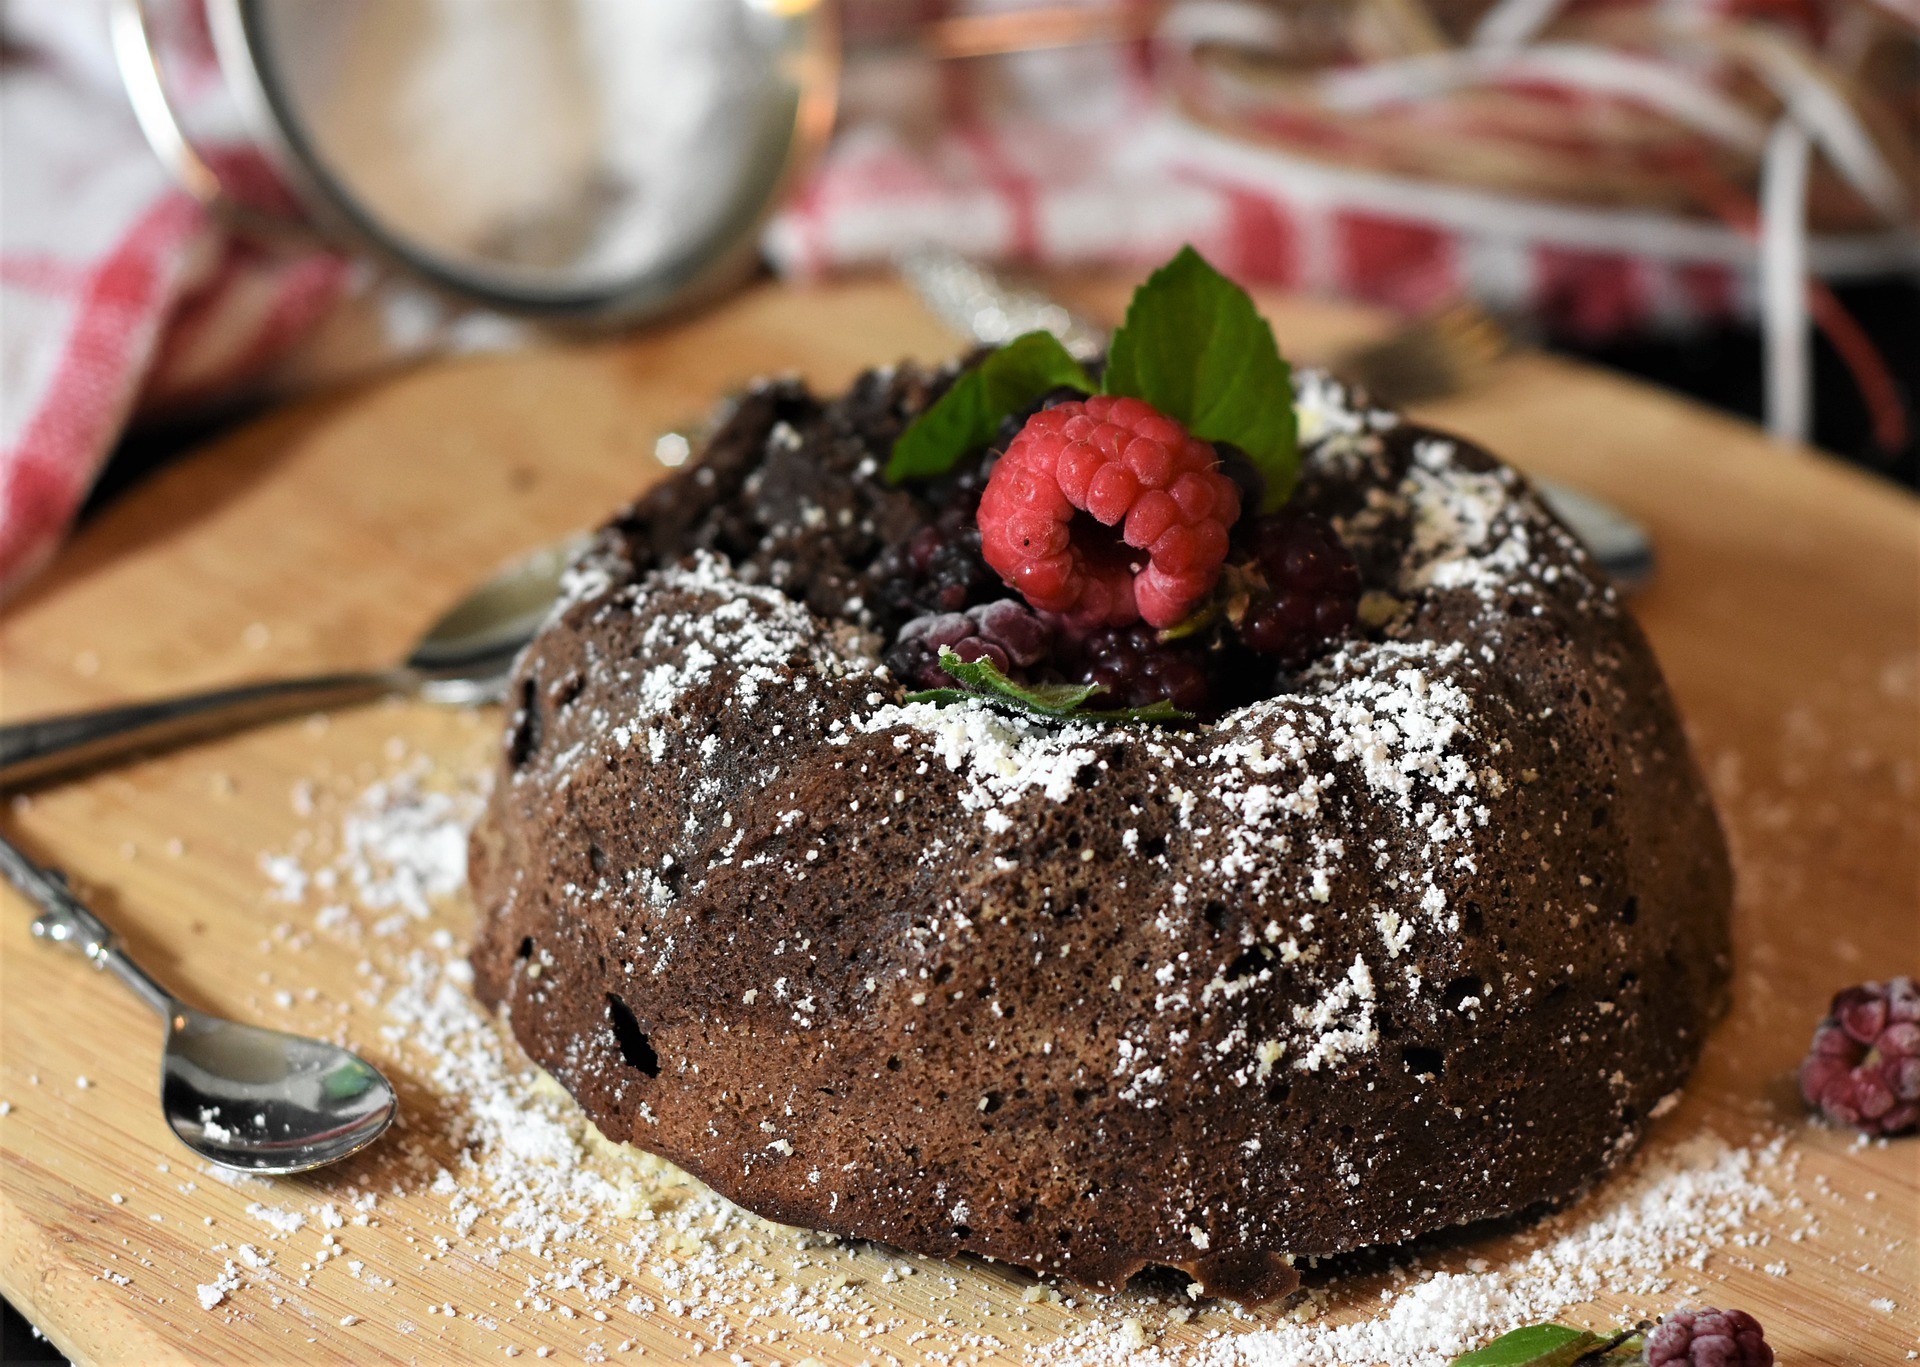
(1196, 348)
(966, 417)
(1556, 1345)
(1193, 345)
(1060, 702)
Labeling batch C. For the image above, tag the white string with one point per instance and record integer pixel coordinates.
(1514, 23)
(1784, 322)
(1586, 66)
(1818, 106)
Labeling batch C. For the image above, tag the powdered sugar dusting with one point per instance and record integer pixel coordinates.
(1004, 755)
(765, 639)
(1666, 1212)
(401, 849)
(406, 846)
(1468, 532)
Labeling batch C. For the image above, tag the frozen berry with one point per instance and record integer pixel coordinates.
(1864, 1067)
(1006, 633)
(1303, 587)
(1015, 628)
(936, 569)
(1708, 1338)
(1136, 668)
(1108, 512)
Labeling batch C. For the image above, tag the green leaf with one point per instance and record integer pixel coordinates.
(1537, 1345)
(967, 416)
(1062, 702)
(1194, 347)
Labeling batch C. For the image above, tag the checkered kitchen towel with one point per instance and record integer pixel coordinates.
(119, 296)
(112, 282)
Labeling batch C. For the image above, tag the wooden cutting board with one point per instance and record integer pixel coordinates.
(1787, 615)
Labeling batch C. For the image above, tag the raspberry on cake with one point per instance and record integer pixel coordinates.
(1391, 923)
(1129, 470)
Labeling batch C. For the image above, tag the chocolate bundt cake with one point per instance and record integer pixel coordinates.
(1411, 929)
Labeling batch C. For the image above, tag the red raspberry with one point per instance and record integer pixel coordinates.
(1144, 485)
(1708, 1338)
(1864, 1067)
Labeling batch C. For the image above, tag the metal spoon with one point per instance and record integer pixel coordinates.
(259, 1100)
(463, 658)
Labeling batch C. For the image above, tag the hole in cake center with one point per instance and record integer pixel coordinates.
(635, 1047)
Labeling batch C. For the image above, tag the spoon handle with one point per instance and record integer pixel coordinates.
(35, 749)
(68, 922)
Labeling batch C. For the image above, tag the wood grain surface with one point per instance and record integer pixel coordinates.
(1786, 613)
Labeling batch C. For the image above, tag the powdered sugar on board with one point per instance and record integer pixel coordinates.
(402, 847)
(1650, 1226)
(498, 1172)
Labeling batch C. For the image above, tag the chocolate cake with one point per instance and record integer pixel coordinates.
(1410, 930)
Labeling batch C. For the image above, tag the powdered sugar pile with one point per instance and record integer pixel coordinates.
(402, 847)
(406, 847)
(1005, 755)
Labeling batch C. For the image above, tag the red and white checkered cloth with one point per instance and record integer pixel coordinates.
(118, 295)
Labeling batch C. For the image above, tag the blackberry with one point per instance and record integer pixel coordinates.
(938, 568)
(1004, 632)
(1302, 587)
(1709, 1338)
(1137, 668)
(1863, 1068)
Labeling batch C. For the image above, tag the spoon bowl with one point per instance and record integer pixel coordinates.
(257, 1100)
(464, 656)
(265, 1101)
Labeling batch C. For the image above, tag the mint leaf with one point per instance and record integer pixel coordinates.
(1062, 702)
(1194, 347)
(1538, 1345)
(966, 417)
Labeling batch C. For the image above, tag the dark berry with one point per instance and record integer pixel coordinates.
(1864, 1067)
(1137, 668)
(1004, 632)
(1303, 587)
(1709, 1338)
(938, 568)
(1014, 628)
